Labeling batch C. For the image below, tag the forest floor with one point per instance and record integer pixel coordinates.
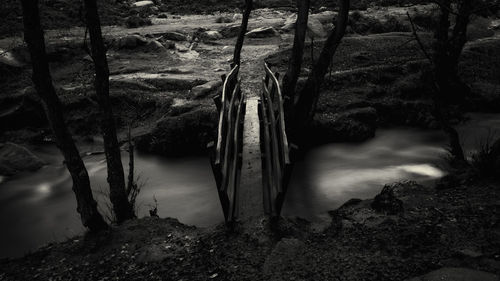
(163, 78)
(414, 230)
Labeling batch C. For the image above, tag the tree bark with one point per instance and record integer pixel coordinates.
(33, 35)
(243, 31)
(295, 63)
(447, 51)
(305, 105)
(116, 178)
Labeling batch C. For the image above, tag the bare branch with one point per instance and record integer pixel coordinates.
(417, 38)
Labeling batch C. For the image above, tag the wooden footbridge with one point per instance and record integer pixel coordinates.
(250, 156)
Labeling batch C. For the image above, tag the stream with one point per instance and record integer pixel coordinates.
(39, 208)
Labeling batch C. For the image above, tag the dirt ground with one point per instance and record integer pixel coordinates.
(455, 225)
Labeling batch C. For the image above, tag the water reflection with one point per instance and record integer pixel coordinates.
(335, 173)
(40, 207)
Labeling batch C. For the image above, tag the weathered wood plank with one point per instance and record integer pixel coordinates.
(250, 191)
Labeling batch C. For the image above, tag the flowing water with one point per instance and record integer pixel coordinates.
(38, 208)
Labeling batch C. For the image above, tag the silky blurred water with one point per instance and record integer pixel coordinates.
(38, 208)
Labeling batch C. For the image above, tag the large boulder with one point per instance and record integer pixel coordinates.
(358, 124)
(315, 28)
(324, 17)
(15, 159)
(479, 28)
(224, 19)
(11, 59)
(174, 36)
(386, 202)
(230, 31)
(289, 24)
(143, 4)
(131, 41)
(205, 89)
(262, 32)
(153, 46)
(210, 35)
(188, 133)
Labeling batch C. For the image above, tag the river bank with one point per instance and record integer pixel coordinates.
(408, 231)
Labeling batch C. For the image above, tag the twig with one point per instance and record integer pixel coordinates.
(422, 47)
(85, 45)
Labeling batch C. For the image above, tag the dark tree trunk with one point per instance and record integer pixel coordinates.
(447, 51)
(243, 31)
(33, 35)
(116, 178)
(305, 105)
(449, 87)
(295, 62)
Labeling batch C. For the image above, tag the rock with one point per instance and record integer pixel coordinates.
(181, 135)
(131, 41)
(230, 31)
(210, 35)
(15, 159)
(262, 32)
(470, 253)
(479, 28)
(205, 89)
(174, 36)
(315, 28)
(164, 8)
(163, 16)
(324, 17)
(181, 106)
(237, 17)
(495, 24)
(366, 115)
(10, 59)
(137, 21)
(169, 44)
(223, 19)
(182, 48)
(154, 46)
(386, 202)
(357, 124)
(141, 4)
(289, 24)
(456, 274)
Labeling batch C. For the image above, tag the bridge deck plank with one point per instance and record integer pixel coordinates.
(250, 192)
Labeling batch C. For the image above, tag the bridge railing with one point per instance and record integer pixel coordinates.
(225, 152)
(276, 159)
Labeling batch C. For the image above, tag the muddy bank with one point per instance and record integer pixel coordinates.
(405, 231)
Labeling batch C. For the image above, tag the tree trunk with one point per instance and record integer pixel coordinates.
(243, 31)
(305, 105)
(447, 51)
(295, 62)
(33, 35)
(116, 178)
